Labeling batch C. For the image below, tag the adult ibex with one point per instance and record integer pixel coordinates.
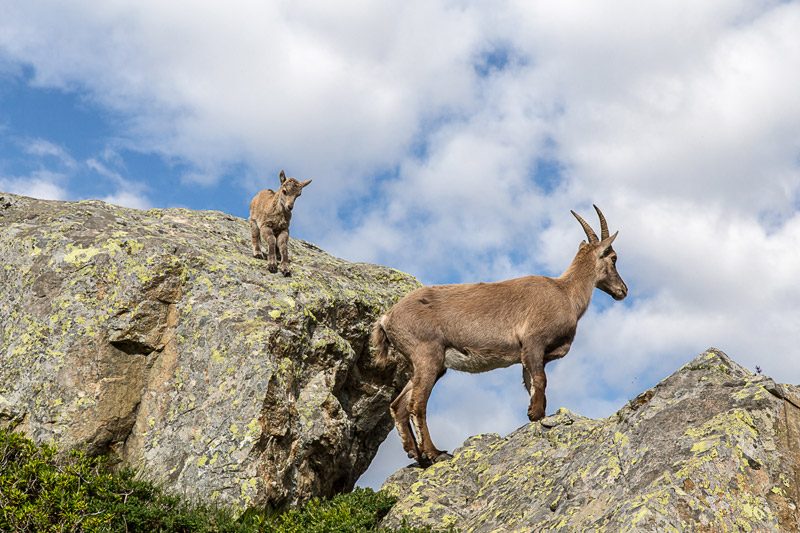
(478, 327)
(270, 214)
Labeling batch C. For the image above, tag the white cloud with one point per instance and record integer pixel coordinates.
(274, 83)
(128, 199)
(56, 171)
(103, 170)
(43, 148)
(44, 185)
(126, 193)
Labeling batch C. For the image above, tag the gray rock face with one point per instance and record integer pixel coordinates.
(711, 448)
(155, 337)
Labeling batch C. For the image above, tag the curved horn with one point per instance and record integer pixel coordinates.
(586, 227)
(603, 224)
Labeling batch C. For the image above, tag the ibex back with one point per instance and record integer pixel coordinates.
(270, 214)
(478, 327)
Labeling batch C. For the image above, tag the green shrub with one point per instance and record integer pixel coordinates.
(36, 494)
(359, 511)
(40, 492)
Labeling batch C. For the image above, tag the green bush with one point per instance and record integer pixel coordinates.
(40, 492)
(357, 512)
(38, 495)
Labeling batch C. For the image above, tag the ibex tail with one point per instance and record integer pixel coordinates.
(381, 343)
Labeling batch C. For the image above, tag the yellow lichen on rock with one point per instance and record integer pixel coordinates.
(125, 330)
(705, 450)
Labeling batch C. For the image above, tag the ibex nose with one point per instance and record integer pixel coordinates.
(622, 293)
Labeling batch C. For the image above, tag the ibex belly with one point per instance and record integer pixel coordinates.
(475, 362)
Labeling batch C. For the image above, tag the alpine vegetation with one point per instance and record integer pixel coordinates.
(270, 214)
(477, 327)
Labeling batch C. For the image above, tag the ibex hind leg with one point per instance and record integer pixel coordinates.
(399, 410)
(425, 377)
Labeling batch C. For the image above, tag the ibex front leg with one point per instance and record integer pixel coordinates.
(255, 238)
(535, 379)
(283, 250)
(272, 257)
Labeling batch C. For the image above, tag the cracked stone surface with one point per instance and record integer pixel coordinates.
(155, 337)
(710, 448)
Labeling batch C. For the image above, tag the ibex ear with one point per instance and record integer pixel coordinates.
(605, 244)
(283, 177)
(304, 183)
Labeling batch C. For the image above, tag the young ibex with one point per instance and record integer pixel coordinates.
(270, 213)
(478, 327)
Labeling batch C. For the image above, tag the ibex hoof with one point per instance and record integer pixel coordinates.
(272, 268)
(425, 462)
(535, 414)
(422, 461)
(259, 256)
(286, 272)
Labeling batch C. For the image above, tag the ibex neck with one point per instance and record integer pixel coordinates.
(579, 279)
(278, 206)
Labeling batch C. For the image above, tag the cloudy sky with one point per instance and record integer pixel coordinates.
(450, 139)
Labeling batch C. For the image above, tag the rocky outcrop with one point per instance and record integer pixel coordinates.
(155, 337)
(711, 448)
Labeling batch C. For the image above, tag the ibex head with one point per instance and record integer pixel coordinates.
(608, 279)
(289, 191)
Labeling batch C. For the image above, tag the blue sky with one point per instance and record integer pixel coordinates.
(450, 140)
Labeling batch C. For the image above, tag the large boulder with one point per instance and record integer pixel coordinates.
(155, 337)
(711, 448)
